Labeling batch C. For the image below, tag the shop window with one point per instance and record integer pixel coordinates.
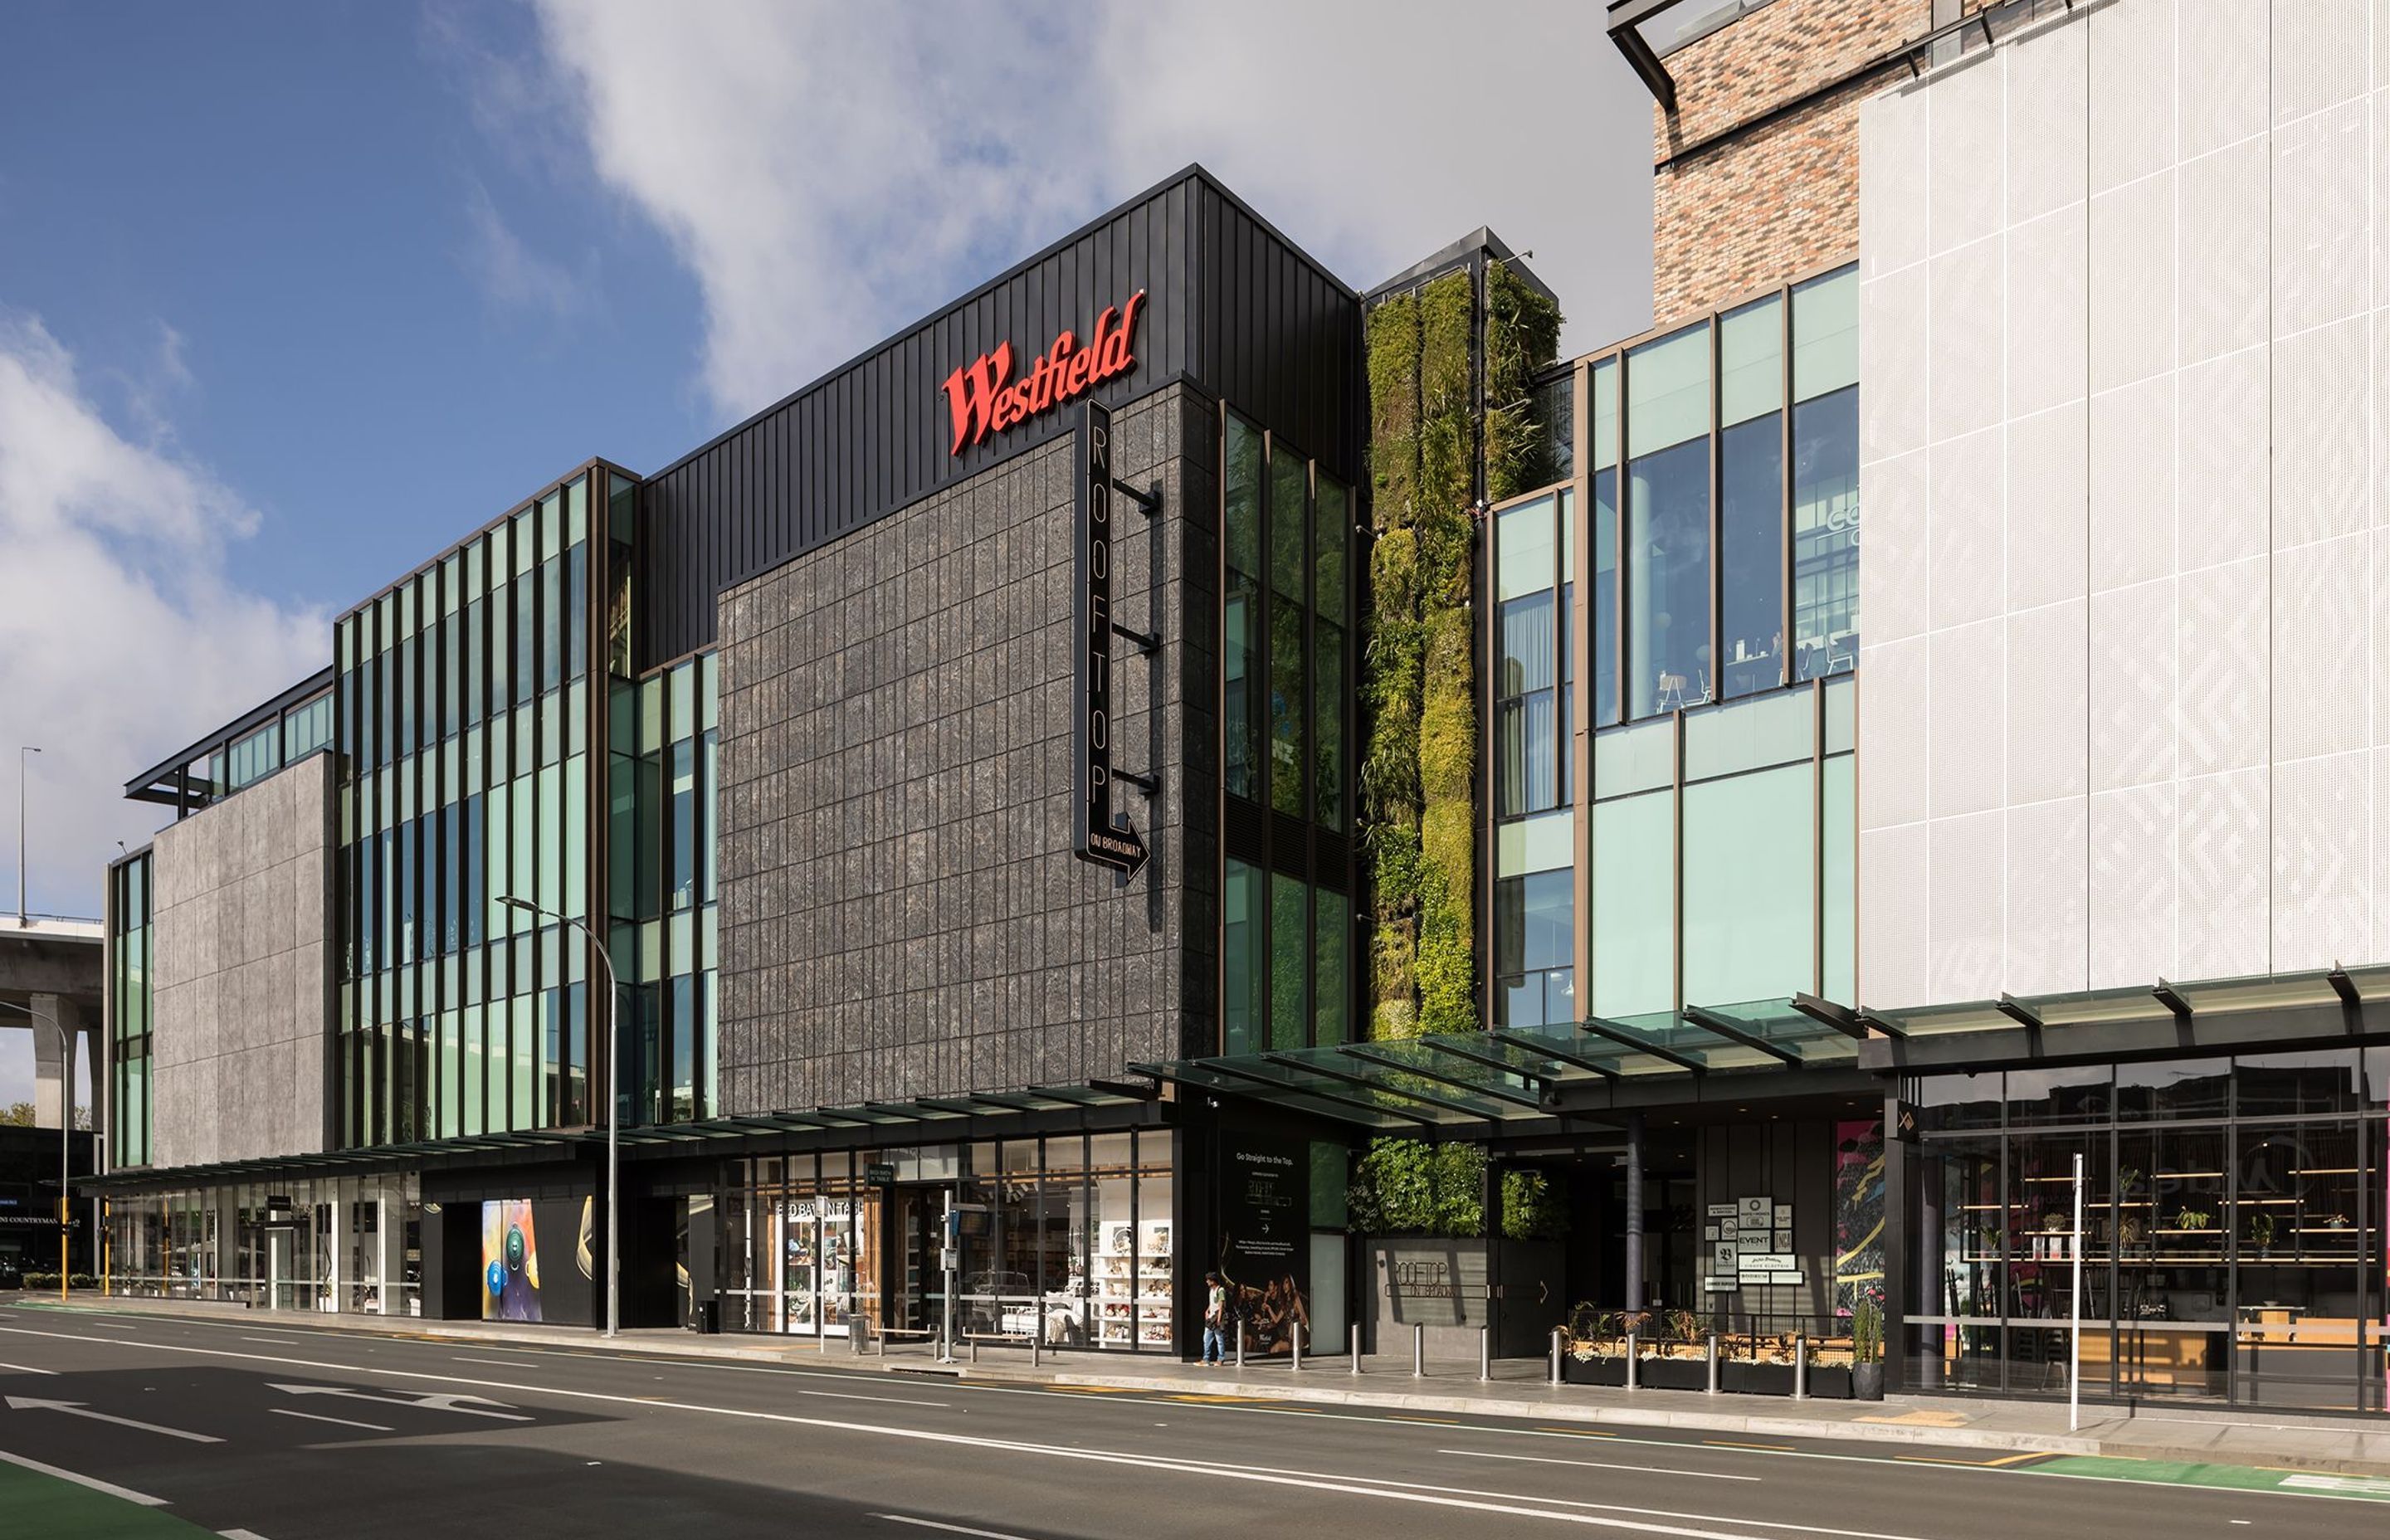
(2296, 1084)
(2173, 1088)
(1668, 524)
(2048, 1097)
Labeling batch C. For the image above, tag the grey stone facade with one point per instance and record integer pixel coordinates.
(241, 972)
(902, 914)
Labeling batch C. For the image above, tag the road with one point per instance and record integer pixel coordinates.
(258, 1427)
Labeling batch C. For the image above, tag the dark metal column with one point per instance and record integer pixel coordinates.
(1635, 1211)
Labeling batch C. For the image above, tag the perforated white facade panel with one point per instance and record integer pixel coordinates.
(2126, 459)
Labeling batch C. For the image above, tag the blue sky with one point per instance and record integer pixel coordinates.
(302, 195)
(293, 296)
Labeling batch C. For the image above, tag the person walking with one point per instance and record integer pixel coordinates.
(1216, 1318)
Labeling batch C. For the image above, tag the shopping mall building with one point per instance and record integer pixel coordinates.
(1173, 762)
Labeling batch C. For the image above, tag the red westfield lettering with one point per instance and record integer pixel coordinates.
(985, 399)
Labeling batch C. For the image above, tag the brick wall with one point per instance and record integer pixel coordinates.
(1781, 199)
(902, 914)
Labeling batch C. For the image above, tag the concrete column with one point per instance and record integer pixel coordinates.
(1633, 1211)
(53, 1076)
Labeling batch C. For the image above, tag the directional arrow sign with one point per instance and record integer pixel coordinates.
(76, 1408)
(436, 1401)
(1120, 847)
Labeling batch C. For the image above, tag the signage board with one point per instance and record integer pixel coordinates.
(1768, 1262)
(1751, 1243)
(1096, 836)
(983, 398)
(1720, 1286)
(1753, 1211)
(879, 1176)
(1719, 1210)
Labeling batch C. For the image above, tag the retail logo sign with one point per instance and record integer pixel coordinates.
(983, 397)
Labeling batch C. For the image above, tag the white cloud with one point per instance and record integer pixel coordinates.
(830, 171)
(123, 632)
(514, 276)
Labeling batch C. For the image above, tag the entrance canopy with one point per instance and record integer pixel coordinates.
(2166, 1017)
(1460, 1084)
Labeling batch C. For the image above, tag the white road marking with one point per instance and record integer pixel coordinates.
(240, 1535)
(76, 1408)
(279, 1341)
(91, 1481)
(318, 1416)
(26, 1369)
(117, 1325)
(950, 1529)
(430, 1402)
(1600, 1465)
(501, 1363)
(1557, 1511)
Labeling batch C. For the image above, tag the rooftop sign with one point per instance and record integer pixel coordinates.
(983, 397)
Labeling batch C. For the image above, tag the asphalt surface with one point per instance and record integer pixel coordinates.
(267, 1430)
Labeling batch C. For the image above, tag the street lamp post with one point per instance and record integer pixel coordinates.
(613, 1112)
(66, 1125)
(23, 920)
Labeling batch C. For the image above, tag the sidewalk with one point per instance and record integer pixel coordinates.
(2345, 1444)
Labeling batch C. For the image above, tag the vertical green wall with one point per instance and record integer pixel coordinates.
(1430, 446)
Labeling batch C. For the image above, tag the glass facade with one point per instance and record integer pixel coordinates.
(1286, 599)
(352, 1244)
(1716, 497)
(1070, 1238)
(466, 709)
(129, 1003)
(662, 886)
(2232, 1246)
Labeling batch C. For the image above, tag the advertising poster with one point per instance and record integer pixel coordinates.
(1858, 1213)
(1266, 1236)
(522, 1281)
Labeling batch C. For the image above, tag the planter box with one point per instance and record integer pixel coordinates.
(1592, 1371)
(1866, 1382)
(1830, 1383)
(1746, 1379)
(1672, 1374)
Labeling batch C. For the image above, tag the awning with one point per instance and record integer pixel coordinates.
(1469, 1084)
(919, 1117)
(475, 1149)
(2166, 1016)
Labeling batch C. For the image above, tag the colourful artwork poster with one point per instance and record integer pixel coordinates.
(509, 1262)
(1858, 1213)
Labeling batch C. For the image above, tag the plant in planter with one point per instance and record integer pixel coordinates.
(2193, 1219)
(1867, 1351)
(2261, 1231)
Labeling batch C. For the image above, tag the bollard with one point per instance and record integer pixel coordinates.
(1484, 1355)
(1037, 1344)
(1632, 1378)
(1357, 1347)
(1801, 1367)
(1241, 1344)
(1419, 1351)
(1714, 1364)
(1556, 1355)
(974, 1346)
(1295, 1339)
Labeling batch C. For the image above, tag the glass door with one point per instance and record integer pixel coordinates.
(2174, 1238)
(2303, 1315)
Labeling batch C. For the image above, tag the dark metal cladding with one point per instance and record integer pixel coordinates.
(1231, 305)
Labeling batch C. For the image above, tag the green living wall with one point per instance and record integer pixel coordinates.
(1420, 690)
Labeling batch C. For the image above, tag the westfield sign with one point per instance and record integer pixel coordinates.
(984, 397)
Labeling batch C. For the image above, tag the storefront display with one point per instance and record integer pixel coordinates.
(2232, 1234)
